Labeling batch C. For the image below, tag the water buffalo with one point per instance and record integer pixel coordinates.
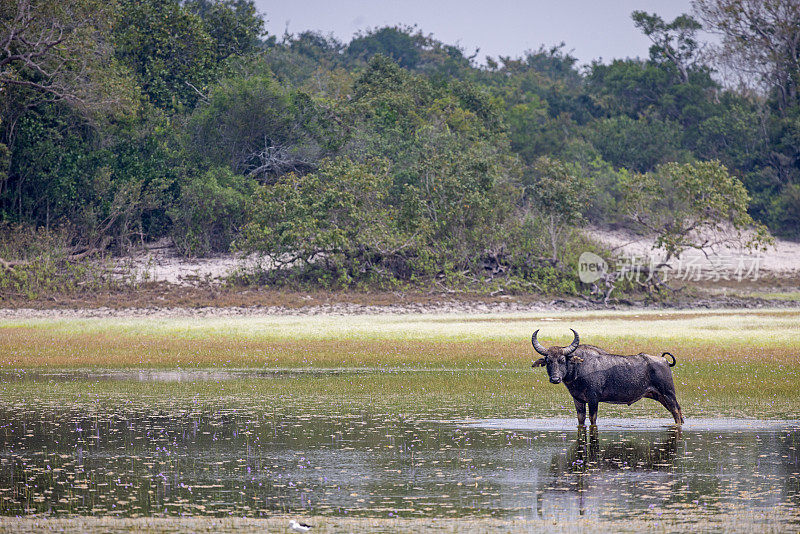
(592, 375)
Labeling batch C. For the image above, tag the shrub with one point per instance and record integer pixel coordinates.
(210, 211)
(37, 263)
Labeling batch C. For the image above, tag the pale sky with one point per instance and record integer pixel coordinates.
(590, 29)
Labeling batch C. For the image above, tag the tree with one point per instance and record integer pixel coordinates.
(694, 205)
(560, 195)
(59, 85)
(49, 170)
(5, 160)
(542, 96)
(210, 211)
(734, 136)
(761, 39)
(263, 130)
(411, 49)
(61, 51)
(297, 59)
(528, 129)
(234, 25)
(676, 41)
(761, 42)
(452, 171)
(786, 211)
(131, 180)
(178, 50)
(639, 144)
(168, 49)
(645, 88)
(335, 223)
(58, 56)
(313, 45)
(399, 43)
(425, 186)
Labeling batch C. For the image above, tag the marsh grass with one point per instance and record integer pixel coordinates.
(773, 295)
(768, 327)
(739, 362)
(457, 341)
(704, 389)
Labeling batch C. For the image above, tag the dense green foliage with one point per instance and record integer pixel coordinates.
(209, 211)
(690, 205)
(394, 158)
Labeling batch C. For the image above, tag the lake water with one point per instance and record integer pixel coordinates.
(279, 453)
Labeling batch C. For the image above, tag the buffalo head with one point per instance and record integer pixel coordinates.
(555, 358)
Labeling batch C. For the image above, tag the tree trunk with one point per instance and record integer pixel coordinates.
(554, 236)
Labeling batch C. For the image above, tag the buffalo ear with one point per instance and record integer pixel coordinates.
(538, 363)
(576, 359)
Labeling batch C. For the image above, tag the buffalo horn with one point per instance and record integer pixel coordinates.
(572, 346)
(538, 346)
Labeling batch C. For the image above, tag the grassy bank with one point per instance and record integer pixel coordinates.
(736, 363)
(446, 340)
(704, 389)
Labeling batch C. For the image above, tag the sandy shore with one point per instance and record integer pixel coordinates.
(169, 285)
(159, 262)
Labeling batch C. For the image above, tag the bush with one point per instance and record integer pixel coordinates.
(786, 212)
(210, 211)
(332, 227)
(638, 145)
(37, 263)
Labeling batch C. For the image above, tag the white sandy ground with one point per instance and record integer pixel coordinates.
(781, 259)
(160, 262)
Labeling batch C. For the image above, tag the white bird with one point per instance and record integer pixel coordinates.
(299, 527)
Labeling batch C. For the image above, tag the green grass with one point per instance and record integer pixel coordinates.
(455, 341)
(769, 327)
(704, 389)
(739, 362)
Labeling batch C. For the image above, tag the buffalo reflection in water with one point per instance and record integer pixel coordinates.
(591, 469)
(586, 455)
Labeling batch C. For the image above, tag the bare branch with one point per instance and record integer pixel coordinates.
(203, 97)
(275, 160)
(58, 49)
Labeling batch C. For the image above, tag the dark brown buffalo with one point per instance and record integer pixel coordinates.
(592, 375)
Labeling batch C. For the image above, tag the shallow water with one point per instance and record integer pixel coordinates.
(717, 424)
(199, 454)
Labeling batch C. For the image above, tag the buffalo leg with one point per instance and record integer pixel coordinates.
(580, 407)
(594, 444)
(671, 403)
(593, 413)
